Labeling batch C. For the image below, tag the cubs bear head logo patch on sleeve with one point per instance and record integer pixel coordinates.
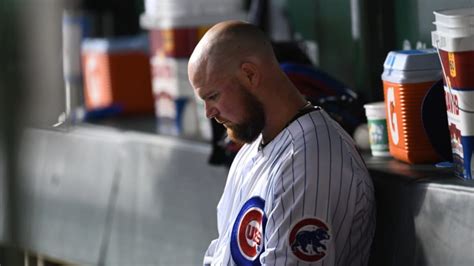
(308, 239)
(246, 241)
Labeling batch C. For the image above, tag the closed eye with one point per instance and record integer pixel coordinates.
(212, 97)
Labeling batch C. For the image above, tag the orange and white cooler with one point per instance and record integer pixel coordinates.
(454, 40)
(407, 77)
(117, 74)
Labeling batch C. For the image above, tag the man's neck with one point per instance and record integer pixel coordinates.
(278, 117)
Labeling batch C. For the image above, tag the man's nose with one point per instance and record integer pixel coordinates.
(211, 111)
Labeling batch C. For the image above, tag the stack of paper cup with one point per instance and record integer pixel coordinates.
(454, 40)
(377, 122)
(175, 27)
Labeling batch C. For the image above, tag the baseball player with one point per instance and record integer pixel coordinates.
(298, 192)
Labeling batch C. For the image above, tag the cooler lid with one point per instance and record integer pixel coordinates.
(118, 44)
(412, 60)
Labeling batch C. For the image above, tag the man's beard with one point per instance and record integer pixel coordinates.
(253, 123)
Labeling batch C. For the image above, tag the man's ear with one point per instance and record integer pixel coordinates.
(250, 74)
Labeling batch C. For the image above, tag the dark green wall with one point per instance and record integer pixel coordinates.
(414, 19)
(11, 92)
(353, 58)
(384, 26)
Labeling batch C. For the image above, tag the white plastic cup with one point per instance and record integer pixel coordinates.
(377, 123)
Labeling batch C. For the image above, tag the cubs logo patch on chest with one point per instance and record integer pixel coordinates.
(246, 241)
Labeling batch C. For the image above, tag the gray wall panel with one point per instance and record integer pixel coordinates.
(65, 182)
(98, 196)
(167, 214)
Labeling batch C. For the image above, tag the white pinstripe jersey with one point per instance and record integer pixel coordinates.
(305, 198)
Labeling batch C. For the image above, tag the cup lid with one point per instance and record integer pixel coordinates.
(461, 17)
(452, 44)
(375, 110)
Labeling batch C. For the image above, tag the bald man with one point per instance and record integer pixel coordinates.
(298, 191)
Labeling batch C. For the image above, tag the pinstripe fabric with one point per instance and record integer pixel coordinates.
(309, 176)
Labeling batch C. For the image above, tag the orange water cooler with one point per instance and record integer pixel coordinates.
(117, 75)
(407, 77)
